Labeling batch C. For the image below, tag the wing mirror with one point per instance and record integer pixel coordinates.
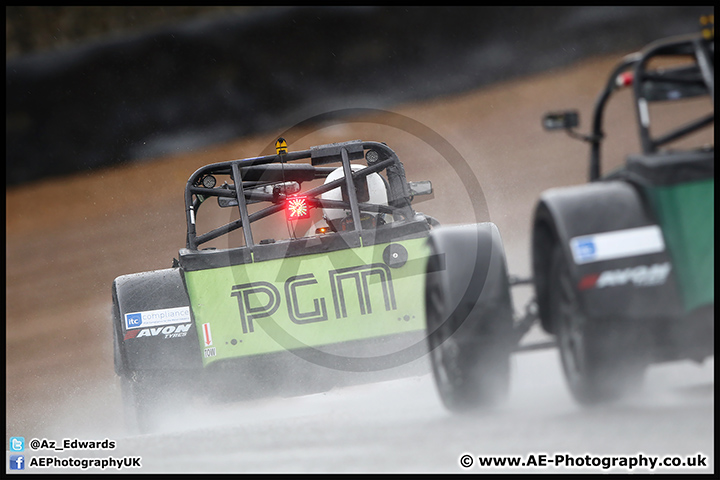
(561, 120)
(423, 187)
(227, 202)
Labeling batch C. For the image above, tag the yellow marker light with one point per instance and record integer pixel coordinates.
(281, 146)
(708, 24)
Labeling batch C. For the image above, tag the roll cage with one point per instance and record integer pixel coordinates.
(650, 84)
(277, 179)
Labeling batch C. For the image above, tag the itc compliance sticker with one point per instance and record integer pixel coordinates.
(617, 244)
(155, 318)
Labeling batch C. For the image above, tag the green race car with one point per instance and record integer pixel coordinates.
(624, 266)
(302, 269)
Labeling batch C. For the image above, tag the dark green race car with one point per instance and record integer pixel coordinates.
(624, 266)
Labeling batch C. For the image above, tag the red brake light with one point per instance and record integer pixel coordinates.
(625, 79)
(297, 208)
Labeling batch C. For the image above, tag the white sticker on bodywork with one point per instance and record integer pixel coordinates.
(617, 244)
(155, 318)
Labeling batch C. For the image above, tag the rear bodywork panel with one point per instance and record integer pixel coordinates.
(681, 191)
(616, 251)
(307, 301)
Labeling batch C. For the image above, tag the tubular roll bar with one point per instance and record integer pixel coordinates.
(195, 194)
(683, 45)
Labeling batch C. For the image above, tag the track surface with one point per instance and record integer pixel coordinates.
(67, 239)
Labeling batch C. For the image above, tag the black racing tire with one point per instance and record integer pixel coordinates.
(145, 395)
(154, 400)
(469, 343)
(603, 359)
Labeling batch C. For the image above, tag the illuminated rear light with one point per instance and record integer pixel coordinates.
(297, 208)
(625, 79)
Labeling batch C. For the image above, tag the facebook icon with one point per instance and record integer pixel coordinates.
(17, 462)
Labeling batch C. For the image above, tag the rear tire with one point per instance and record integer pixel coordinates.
(602, 359)
(154, 400)
(470, 344)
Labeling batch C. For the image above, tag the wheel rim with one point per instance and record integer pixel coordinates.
(570, 334)
(469, 371)
(572, 338)
(436, 335)
(593, 373)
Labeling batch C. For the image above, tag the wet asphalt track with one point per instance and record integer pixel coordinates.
(59, 355)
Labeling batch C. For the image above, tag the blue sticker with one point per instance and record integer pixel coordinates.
(133, 320)
(585, 249)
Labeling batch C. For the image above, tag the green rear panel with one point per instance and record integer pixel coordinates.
(687, 216)
(309, 300)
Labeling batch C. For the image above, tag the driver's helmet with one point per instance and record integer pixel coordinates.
(370, 189)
